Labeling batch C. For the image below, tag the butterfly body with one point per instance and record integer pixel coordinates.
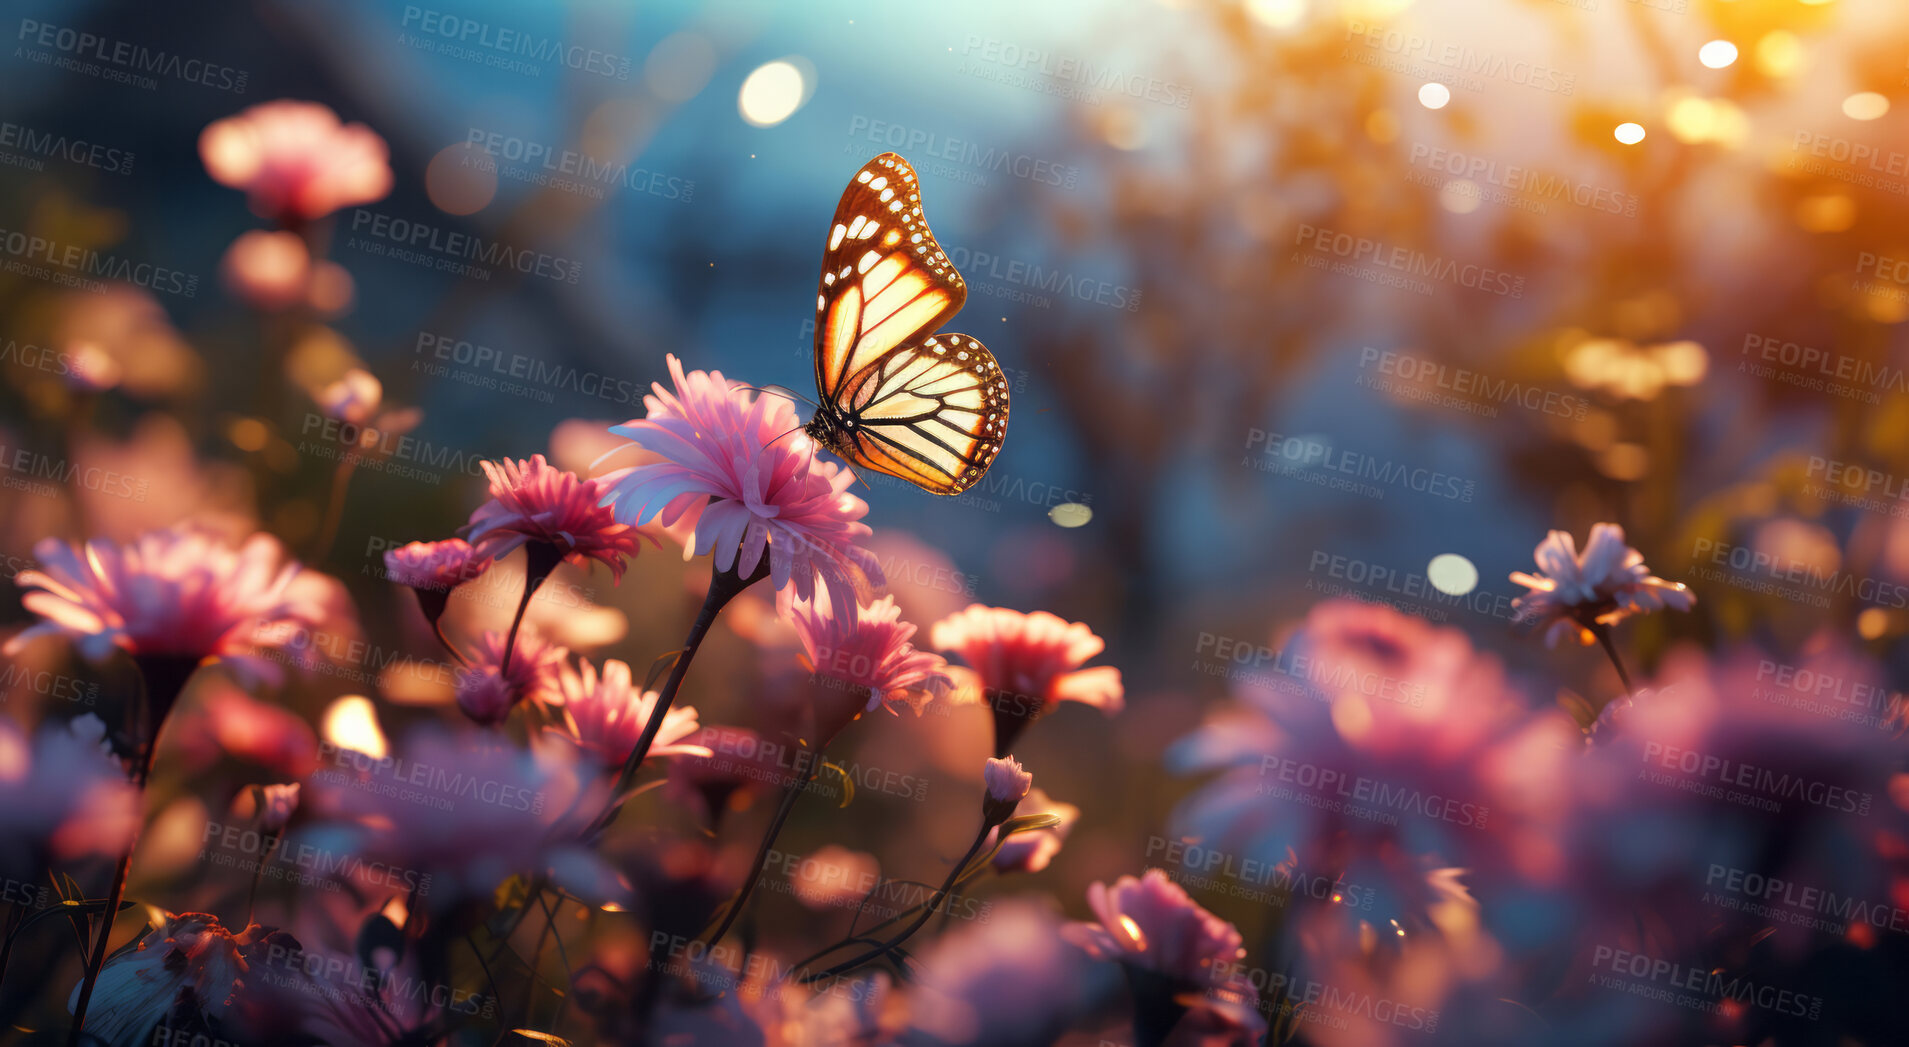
(895, 396)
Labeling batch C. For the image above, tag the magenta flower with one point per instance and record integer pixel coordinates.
(296, 161)
(434, 566)
(604, 714)
(867, 654)
(1573, 594)
(62, 796)
(738, 469)
(534, 501)
(1395, 751)
(1175, 953)
(470, 810)
(1032, 849)
(1151, 923)
(178, 595)
(1028, 664)
(486, 692)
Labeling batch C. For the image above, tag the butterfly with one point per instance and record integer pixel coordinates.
(896, 396)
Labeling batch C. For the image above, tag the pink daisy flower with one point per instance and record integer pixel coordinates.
(1152, 924)
(867, 654)
(740, 472)
(534, 501)
(1171, 949)
(434, 566)
(604, 714)
(1608, 583)
(178, 596)
(487, 693)
(295, 160)
(1027, 664)
(62, 796)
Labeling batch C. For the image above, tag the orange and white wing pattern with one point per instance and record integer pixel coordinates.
(931, 409)
(934, 414)
(885, 281)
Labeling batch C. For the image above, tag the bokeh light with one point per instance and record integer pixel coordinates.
(1629, 133)
(1434, 95)
(1866, 105)
(772, 93)
(1717, 54)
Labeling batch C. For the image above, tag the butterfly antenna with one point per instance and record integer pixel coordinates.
(775, 391)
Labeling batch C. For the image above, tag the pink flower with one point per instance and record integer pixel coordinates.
(1031, 850)
(295, 161)
(1028, 664)
(189, 971)
(1450, 766)
(533, 501)
(1152, 924)
(1009, 979)
(486, 694)
(434, 566)
(470, 810)
(605, 714)
(868, 653)
(739, 470)
(1171, 948)
(61, 797)
(1604, 586)
(1007, 786)
(176, 594)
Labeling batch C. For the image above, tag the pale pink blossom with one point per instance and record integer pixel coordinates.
(62, 796)
(1032, 849)
(1027, 664)
(296, 161)
(867, 654)
(1607, 583)
(486, 693)
(1007, 782)
(434, 566)
(739, 470)
(470, 809)
(176, 594)
(534, 501)
(1151, 923)
(605, 713)
(1394, 751)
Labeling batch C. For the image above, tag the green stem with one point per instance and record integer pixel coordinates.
(795, 790)
(723, 587)
(920, 921)
(1603, 633)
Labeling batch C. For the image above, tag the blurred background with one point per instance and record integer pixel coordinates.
(1298, 299)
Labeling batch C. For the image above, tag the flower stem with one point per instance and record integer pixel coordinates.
(540, 558)
(795, 790)
(113, 898)
(723, 587)
(928, 913)
(1603, 634)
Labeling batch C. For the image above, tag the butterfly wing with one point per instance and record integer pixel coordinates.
(931, 411)
(933, 414)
